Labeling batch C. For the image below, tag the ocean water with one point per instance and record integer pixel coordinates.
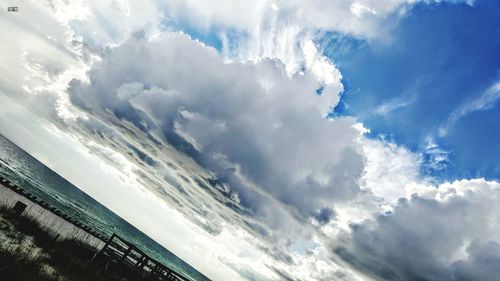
(36, 178)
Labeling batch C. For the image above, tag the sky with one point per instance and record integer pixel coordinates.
(273, 140)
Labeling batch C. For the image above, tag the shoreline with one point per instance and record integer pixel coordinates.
(55, 227)
(55, 221)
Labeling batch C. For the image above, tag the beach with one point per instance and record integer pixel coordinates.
(40, 242)
(53, 223)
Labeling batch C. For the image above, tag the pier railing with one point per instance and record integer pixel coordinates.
(5, 182)
(123, 252)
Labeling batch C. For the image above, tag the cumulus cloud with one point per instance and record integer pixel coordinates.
(39, 56)
(270, 138)
(391, 171)
(434, 236)
(275, 162)
(289, 164)
(481, 263)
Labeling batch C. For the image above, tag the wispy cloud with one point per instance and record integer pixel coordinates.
(393, 105)
(484, 102)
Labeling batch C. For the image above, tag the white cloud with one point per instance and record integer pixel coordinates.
(287, 164)
(484, 102)
(360, 10)
(215, 113)
(437, 235)
(322, 68)
(392, 105)
(392, 172)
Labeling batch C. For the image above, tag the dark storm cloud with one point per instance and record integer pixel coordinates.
(430, 239)
(262, 133)
(324, 215)
(483, 263)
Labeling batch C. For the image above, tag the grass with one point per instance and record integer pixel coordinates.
(30, 252)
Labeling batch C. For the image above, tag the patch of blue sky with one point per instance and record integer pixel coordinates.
(439, 58)
(210, 36)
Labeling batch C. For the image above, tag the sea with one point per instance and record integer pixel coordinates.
(34, 177)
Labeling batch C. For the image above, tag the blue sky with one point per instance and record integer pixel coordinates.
(439, 57)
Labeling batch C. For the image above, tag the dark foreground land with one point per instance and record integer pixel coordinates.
(29, 252)
(40, 242)
(56, 230)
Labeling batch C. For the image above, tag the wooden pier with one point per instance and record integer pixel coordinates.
(119, 251)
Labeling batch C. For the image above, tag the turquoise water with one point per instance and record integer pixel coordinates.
(36, 178)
